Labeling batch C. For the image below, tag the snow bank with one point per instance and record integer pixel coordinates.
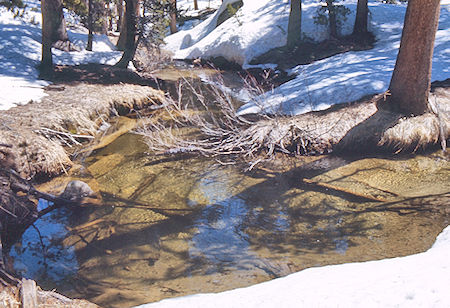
(262, 25)
(20, 54)
(256, 28)
(420, 280)
(352, 75)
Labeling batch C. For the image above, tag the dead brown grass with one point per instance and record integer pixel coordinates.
(357, 127)
(41, 133)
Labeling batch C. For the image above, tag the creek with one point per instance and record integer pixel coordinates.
(169, 226)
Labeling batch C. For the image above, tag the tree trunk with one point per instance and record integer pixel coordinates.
(411, 79)
(90, 25)
(195, 5)
(362, 11)
(332, 21)
(295, 23)
(46, 60)
(59, 31)
(130, 43)
(119, 14)
(173, 16)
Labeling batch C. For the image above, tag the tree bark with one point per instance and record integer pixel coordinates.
(47, 59)
(130, 43)
(119, 14)
(332, 21)
(173, 16)
(295, 23)
(411, 79)
(59, 31)
(90, 26)
(195, 5)
(362, 11)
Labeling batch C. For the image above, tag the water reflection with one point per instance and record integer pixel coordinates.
(41, 255)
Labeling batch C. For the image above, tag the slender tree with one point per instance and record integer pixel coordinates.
(195, 5)
(90, 26)
(119, 14)
(332, 18)
(47, 59)
(295, 23)
(173, 16)
(130, 43)
(362, 12)
(411, 79)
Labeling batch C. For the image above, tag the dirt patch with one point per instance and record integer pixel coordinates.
(308, 52)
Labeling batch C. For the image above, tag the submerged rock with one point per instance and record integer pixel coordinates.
(77, 190)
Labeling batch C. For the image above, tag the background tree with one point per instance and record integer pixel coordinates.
(332, 20)
(130, 43)
(411, 79)
(119, 14)
(362, 12)
(195, 5)
(173, 16)
(122, 42)
(90, 26)
(47, 59)
(59, 36)
(295, 23)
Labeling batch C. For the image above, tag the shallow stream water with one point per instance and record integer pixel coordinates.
(170, 226)
(166, 226)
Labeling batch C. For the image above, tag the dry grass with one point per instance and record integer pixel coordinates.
(40, 133)
(353, 127)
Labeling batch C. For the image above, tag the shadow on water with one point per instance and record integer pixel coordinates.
(169, 227)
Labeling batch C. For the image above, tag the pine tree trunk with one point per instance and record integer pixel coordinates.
(295, 23)
(130, 44)
(362, 11)
(195, 5)
(119, 15)
(332, 19)
(411, 79)
(46, 60)
(59, 31)
(90, 34)
(173, 16)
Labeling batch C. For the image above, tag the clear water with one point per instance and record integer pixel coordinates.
(169, 226)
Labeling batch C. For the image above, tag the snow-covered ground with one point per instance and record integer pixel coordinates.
(262, 25)
(20, 53)
(421, 280)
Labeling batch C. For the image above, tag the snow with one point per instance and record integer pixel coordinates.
(420, 280)
(20, 52)
(352, 75)
(262, 25)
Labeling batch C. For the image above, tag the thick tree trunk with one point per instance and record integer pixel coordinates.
(362, 12)
(295, 23)
(332, 21)
(90, 26)
(195, 5)
(173, 16)
(46, 60)
(130, 44)
(410, 83)
(59, 31)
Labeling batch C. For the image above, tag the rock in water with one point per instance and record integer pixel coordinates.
(77, 190)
